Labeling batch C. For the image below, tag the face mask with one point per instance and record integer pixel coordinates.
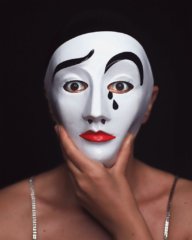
(98, 86)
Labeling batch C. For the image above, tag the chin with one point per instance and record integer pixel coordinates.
(104, 156)
(103, 152)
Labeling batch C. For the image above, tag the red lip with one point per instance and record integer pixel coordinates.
(97, 136)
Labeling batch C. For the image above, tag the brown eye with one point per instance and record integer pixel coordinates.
(120, 87)
(75, 86)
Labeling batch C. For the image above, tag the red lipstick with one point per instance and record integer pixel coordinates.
(99, 136)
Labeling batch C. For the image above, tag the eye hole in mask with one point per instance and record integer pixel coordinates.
(120, 87)
(75, 86)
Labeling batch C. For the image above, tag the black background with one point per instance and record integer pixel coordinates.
(29, 142)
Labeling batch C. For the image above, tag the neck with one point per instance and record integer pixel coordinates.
(57, 184)
(136, 175)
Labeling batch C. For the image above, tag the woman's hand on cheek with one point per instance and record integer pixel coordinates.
(104, 192)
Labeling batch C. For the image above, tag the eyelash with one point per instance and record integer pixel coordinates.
(76, 86)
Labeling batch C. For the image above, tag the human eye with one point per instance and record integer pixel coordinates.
(75, 86)
(120, 87)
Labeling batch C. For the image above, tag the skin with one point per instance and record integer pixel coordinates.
(78, 200)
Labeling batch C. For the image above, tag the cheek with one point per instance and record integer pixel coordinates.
(131, 108)
(69, 108)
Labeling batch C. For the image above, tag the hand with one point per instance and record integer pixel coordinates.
(105, 192)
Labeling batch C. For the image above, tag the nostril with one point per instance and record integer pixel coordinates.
(103, 121)
(90, 121)
(95, 120)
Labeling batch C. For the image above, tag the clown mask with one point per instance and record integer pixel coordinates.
(98, 86)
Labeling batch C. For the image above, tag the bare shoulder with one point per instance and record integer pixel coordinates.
(181, 217)
(184, 191)
(183, 198)
(15, 211)
(181, 205)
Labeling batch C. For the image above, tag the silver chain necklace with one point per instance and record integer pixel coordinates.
(168, 213)
(34, 209)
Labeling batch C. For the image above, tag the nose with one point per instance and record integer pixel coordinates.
(96, 109)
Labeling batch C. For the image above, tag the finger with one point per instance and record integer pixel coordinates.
(73, 153)
(125, 153)
(71, 165)
(73, 168)
(74, 179)
(74, 173)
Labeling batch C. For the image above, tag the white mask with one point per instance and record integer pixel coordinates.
(99, 85)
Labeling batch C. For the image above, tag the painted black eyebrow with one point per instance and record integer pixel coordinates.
(129, 56)
(72, 62)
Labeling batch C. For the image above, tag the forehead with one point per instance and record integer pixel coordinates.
(105, 45)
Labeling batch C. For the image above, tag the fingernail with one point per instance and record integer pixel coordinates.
(56, 127)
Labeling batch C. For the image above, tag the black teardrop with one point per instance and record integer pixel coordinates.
(110, 95)
(115, 105)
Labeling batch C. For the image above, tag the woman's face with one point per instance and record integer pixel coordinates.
(99, 85)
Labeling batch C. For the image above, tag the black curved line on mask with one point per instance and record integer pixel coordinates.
(71, 62)
(128, 56)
